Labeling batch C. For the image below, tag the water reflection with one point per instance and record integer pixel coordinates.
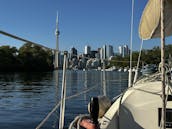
(85, 83)
(26, 98)
(22, 96)
(57, 83)
(104, 82)
(72, 82)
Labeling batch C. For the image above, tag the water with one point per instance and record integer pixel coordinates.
(26, 98)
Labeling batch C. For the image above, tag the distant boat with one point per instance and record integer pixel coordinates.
(120, 70)
(125, 69)
(113, 68)
(148, 69)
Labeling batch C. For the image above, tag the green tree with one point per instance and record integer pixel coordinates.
(8, 58)
(35, 58)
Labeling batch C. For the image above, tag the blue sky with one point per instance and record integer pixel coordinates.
(81, 22)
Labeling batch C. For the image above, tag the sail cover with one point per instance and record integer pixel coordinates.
(150, 21)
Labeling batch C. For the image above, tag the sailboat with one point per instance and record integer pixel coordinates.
(147, 104)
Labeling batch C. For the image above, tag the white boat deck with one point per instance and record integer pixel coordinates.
(138, 109)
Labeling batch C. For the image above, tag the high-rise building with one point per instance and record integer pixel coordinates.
(87, 50)
(109, 51)
(101, 53)
(123, 50)
(126, 50)
(120, 48)
(104, 52)
(73, 53)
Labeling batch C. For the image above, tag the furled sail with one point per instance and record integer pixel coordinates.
(150, 20)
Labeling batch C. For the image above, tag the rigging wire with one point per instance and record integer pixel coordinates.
(58, 104)
(68, 98)
(138, 62)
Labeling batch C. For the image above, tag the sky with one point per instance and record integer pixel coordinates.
(81, 22)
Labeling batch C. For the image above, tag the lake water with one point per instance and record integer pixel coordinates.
(26, 98)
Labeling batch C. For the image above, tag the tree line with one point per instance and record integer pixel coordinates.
(34, 58)
(151, 56)
(27, 58)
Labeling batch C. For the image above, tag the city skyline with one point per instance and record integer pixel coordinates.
(91, 59)
(82, 50)
(81, 23)
(108, 52)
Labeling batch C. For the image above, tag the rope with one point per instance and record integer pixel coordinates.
(49, 114)
(80, 93)
(58, 104)
(167, 83)
(136, 72)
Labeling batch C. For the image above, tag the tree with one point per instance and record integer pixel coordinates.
(35, 58)
(8, 58)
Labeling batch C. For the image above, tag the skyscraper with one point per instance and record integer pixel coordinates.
(73, 52)
(126, 50)
(120, 48)
(101, 53)
(123, 50)
(87, 50)
(109, 51)
(104, 52)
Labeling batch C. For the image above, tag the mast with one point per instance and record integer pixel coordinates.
(63, 93)
(57, 33)
(163, 117)
(131, 43)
